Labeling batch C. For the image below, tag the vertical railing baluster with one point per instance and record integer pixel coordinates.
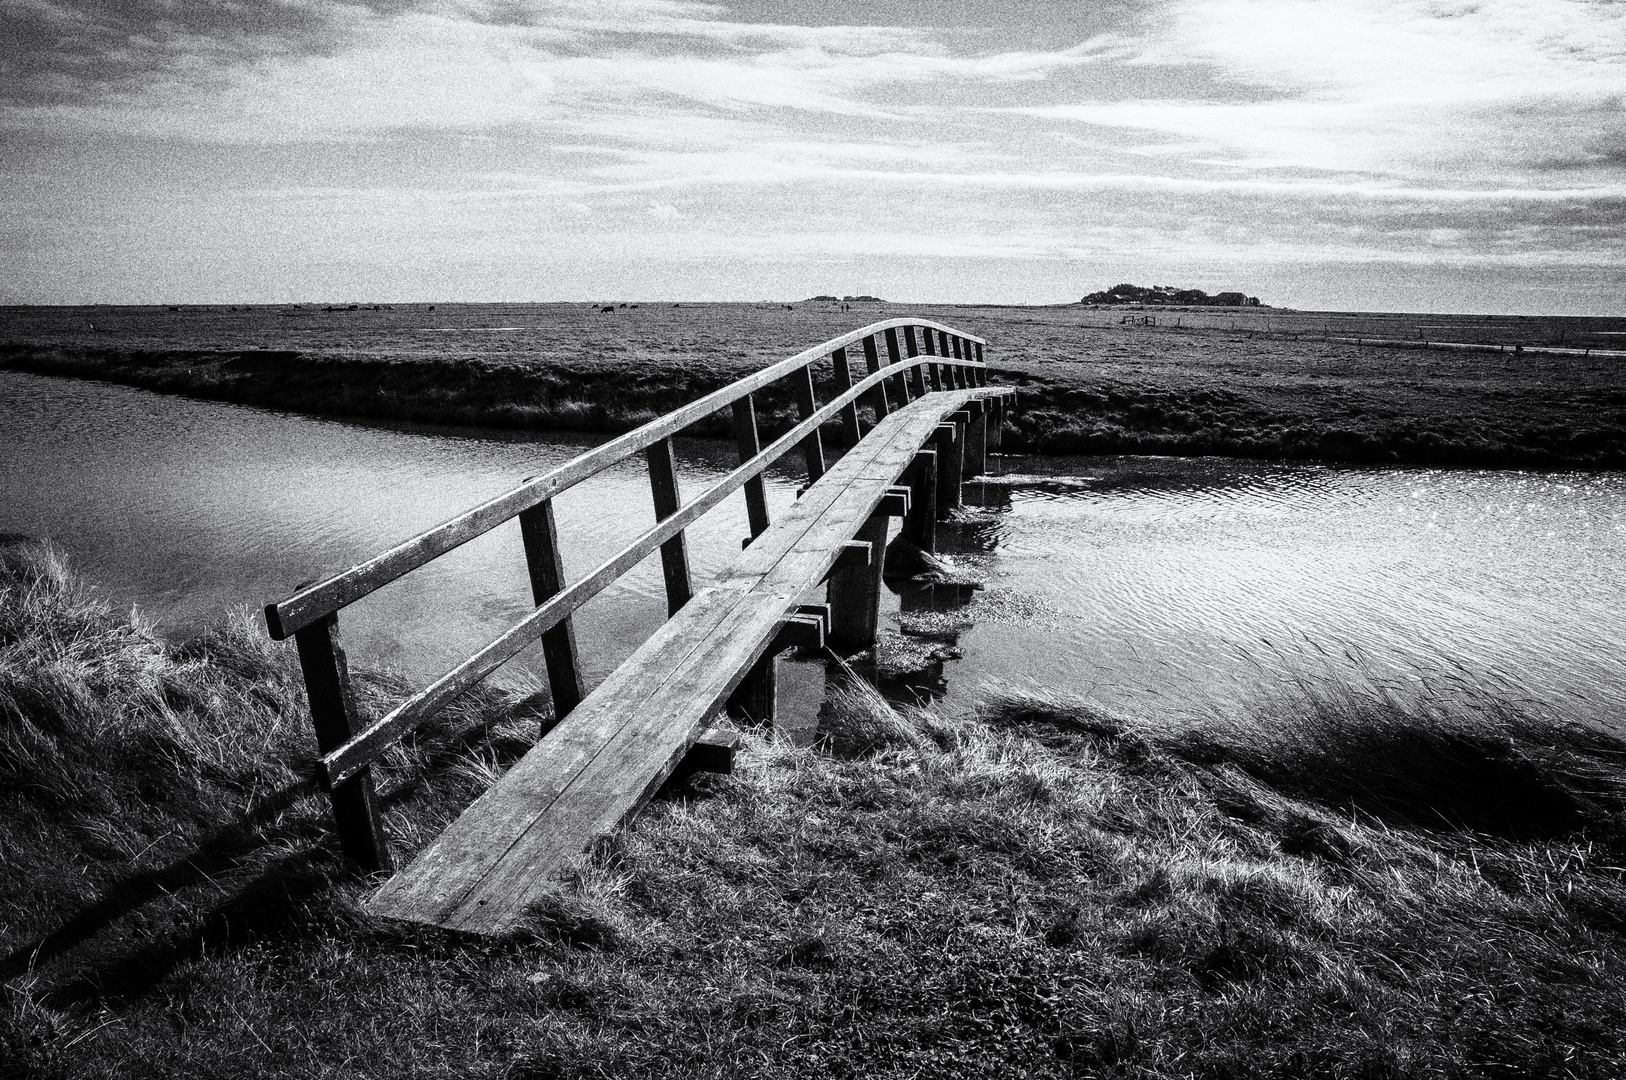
(749, 445)
(663, 484)
(893, 356)
(333, 714)
(959, 372)
(844, 382)
(872, 362)
(547, 571)
(982, 373)
(916, 372)
(806, 405)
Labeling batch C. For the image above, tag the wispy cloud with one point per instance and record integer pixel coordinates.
(1221, 131)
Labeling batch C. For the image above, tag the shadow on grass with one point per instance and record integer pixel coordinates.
(250, 891)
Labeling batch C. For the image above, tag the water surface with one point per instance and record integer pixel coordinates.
(1154, 584)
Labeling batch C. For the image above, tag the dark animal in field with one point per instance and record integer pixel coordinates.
(607, 309)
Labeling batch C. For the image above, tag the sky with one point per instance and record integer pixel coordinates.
(1416, 155)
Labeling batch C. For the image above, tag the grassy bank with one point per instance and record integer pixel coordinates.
(1343, 883)
(1090, 384)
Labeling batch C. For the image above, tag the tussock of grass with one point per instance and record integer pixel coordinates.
(1039, 889)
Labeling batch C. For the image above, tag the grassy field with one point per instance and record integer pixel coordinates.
(1339, 882)
(1252, 383)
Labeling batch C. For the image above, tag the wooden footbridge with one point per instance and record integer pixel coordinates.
(811, 576)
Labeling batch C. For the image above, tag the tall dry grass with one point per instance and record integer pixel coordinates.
(1344, 882)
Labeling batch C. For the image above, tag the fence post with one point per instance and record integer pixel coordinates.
(982, 372)
(541, 536)
(749, 446)
(855, 592)
(663, 484)
(333, 714)
(806, 405)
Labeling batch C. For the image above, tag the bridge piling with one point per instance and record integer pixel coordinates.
(976, 440)
(855, 592)
(920, 523)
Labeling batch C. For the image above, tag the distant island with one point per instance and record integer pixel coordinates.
(1168, 294)
(846, 299)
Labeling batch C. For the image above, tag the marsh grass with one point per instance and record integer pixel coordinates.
(1344, 882)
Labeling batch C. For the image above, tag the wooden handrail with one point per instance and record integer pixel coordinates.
(346, 761)
(318, 601)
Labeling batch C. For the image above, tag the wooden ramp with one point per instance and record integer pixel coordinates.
(935, 418)
(613, 752)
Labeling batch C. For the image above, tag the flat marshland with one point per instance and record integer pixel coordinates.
(1344, 880)
(1247, 382)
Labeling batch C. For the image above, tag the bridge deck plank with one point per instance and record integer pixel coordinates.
(609, 755)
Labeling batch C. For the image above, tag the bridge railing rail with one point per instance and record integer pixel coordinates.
(943, 358)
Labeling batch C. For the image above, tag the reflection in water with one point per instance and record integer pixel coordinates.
(1153, 583)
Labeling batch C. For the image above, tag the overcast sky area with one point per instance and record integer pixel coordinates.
(1341, 154)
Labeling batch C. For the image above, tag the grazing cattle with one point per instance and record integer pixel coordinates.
(607, 309)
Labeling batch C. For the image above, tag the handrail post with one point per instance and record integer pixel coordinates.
(844, 382)
(936, 370)
(663, 484)
(877, 396)
(959, 372)
(982, 372)
(916, 372)
(920, 523)
(893, 356)
(540, 534)
(333, 714)
(806, 405)
(749, 445)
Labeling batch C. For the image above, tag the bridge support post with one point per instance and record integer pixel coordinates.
(333, 712)
(976, 440)
(950, 443)
(920, 523)
(755, 700)
(855, 592)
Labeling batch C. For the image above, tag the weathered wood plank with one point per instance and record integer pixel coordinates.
(602, 761)
(343, 762)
